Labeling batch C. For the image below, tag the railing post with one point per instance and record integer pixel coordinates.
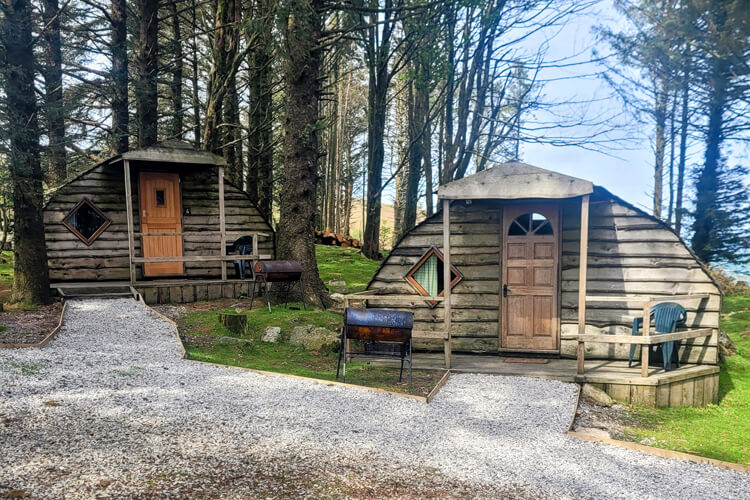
(222, 225)
(129, 216)
(582, 265)
(447, 281)
(646, 348)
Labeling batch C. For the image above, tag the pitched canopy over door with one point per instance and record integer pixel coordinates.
(514, 181)
(161, 212)
(529, 307)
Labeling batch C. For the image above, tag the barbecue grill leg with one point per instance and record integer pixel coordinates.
(403, 355)
(302, 288)
(345, 355)
(268, 295)
(341, 352)
(409, 365)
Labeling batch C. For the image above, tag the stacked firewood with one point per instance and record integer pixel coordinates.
(326, 237)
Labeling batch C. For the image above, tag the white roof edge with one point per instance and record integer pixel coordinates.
(515, 181)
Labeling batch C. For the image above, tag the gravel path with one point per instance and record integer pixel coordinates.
(108, 408)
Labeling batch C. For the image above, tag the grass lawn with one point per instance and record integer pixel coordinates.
(201, 332)
(719, 431)
(6, 275)
(345, 264)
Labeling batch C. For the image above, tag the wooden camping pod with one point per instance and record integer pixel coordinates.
(629, 253)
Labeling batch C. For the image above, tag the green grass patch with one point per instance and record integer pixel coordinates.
(6, 267)
(719, 431)
(25, 369)
(345, 264)
(201, 332)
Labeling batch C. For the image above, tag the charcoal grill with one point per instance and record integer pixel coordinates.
(288, 272)
(385, 333)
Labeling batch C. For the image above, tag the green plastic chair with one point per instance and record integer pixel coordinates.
(667, 316)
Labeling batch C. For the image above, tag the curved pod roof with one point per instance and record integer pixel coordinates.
(515, 180)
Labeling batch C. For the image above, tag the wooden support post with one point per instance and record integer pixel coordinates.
(646, 349)
(131, 228)
(222, 224)
(582, 265)
(447, 280)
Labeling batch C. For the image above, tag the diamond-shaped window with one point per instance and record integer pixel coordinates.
(427, 275)
(86, 221)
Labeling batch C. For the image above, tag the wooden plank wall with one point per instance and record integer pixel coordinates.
(107, 258)
(475, 251)
(630, 253)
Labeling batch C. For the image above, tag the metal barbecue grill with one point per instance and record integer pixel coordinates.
(385, 333)
(288, 272)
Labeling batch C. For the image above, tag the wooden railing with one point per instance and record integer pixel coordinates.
(221, 257)
(646, 339)
(417, 334)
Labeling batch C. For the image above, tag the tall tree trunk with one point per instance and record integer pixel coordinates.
(427, 152)
(194, 76)
(53, 87)
(224, 65)
(31, 276)
(707, 184)
(259, 179)
(146, 96)
(660, 114)
(119, 44)
(233, 133)
(672, 140)
(418, 96)
(678, 211)
(298, 192)
(175, 88)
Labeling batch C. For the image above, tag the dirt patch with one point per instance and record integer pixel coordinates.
(29, 326)
(613, 419)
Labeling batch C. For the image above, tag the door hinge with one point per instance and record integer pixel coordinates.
(505, 290)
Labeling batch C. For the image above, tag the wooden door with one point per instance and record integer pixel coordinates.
(530, 278)
(161, 212)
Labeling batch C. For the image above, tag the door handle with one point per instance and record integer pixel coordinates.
(505, 290)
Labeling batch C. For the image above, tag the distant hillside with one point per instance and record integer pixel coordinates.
(387, 220)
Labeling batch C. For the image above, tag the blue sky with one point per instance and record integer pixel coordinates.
(626, 170)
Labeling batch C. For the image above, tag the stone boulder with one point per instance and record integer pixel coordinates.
(315, 338)
(596, 395)
(271, 334)
(726, 346)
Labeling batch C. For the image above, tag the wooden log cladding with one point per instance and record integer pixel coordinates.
(632, 253)
(107, 258)
(475, 251)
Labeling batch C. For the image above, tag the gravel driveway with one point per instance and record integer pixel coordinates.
(108, 408)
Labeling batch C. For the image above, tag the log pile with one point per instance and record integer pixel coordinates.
(326, 237)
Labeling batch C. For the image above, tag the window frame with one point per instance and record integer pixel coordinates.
(90, 240)
(433, 250)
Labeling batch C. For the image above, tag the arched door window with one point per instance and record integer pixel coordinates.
(530, 224)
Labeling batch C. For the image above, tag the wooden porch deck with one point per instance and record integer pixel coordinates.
(689, 385)
(160, 291)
